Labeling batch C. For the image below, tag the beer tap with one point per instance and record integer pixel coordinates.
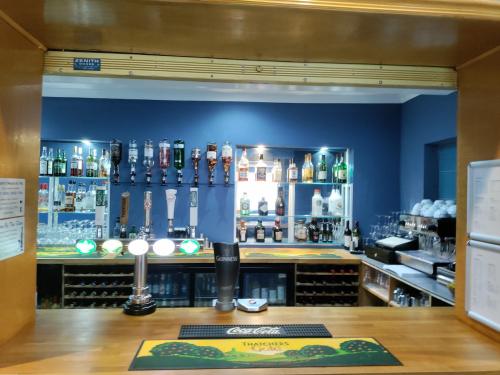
(148, 205)
(211, 161)
(133, 154)
(116, 158)
(148, 161)
(125, 203)
(170, 196)
(196, 158)
(164, 156)
(227, 157)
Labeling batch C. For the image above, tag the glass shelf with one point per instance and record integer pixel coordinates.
(294, 183)
(295, 244)
(77, 178)
(171, 184)
(69, 212)
(259, 217)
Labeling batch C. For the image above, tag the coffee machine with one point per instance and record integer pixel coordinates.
(436, 240)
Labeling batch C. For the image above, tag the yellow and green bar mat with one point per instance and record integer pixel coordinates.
(254, 353)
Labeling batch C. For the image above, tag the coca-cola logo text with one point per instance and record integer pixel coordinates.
(254, 331)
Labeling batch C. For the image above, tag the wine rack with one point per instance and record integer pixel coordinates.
(96, 286)
(326, 285)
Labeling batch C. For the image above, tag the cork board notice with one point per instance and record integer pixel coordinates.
(12, 193)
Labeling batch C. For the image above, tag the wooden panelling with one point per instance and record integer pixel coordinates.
(478, 139)
(21, 64)
(428, 33)
(425, 340)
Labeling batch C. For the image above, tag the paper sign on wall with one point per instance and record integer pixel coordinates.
(12, 193)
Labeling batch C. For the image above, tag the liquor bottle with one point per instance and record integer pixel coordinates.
(196, 158)
(211, 161)
(313, 230)
(280, 202)
(116, 228)
(80, 162)
(64, 163)
(347, 237)
(133, 156)
(317, 204)
(79, 197)
(322, 171)
(164, 156)
(260, 232)
(58, 197)
(43, 197)
(342, 171)
(325, 235)
(227, 157)
(292, 172)
(92, 167)
(43, 162)
(104, 164)
(148, 160)
(335, 172)
(50, 163)
(74, 162)
(69, 201)
(307, 169)
(356, 238)
(116, 158)
(56, 166)
(277, 171)
(179, 159)
(261, 169)
(263, 207)
(242, 231)
(335, 204)
(90, 196)
(243, 166)
(244, 205)
(277, 231)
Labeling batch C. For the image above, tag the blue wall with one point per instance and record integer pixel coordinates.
(424, 120)
(373, 131)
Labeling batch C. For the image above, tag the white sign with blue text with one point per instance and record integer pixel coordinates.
(12, 195)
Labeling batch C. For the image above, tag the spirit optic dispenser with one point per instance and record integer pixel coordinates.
(133, 154)
(196, 158)
(227, 157)
(148, 161)
(179, 159)
(171, 196)
(164, 156)
(211, 161)
(116, 158)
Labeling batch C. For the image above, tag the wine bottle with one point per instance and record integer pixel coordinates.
(356, 238)
(322, 170)
(313, 231)
(342, 171)
(347, 237)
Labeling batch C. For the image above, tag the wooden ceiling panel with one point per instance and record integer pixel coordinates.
(324, 31)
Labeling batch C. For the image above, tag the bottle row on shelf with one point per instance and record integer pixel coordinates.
(332, 206)
(309, 174)
(57, 165)
(73, 197)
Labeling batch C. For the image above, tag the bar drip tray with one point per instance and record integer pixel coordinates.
(421, 261)
(238, 331)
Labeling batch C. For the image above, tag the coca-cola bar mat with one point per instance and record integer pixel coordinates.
(255, 353)
(234, 331)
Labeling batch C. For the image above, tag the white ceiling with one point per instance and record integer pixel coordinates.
(124, 88)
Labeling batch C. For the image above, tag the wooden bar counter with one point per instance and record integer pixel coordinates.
(428, 341)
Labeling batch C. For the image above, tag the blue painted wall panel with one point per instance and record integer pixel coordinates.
(424, 120)
(373, 131)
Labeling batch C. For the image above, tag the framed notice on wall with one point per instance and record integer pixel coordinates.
(12, 193)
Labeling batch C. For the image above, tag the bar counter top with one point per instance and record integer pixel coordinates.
(67, 255)
(425, 340)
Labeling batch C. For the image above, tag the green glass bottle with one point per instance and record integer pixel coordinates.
(322, 171)
(342, 171)
(179, 158)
